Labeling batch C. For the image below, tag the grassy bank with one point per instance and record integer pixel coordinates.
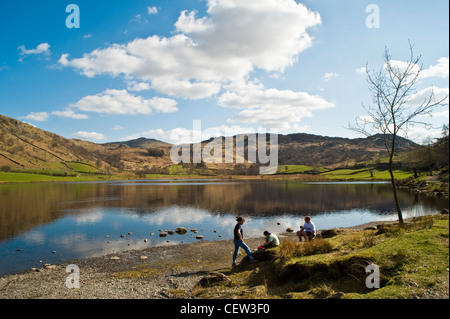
(413, 263)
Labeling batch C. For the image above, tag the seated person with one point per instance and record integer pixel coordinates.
(308, 230)
(271, 240)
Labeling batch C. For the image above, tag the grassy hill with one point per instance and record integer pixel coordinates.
(26, 149)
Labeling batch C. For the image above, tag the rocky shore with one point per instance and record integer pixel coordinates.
(153, 273)
(167, 272)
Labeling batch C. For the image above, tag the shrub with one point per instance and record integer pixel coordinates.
(5, 169)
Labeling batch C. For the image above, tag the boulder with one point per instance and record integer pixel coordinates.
(162, 234)
(199, 237)
(212, 279)
(329, 233)
(181, 230)
(289, 230)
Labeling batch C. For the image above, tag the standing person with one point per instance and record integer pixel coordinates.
(239, 240)
(308, 230)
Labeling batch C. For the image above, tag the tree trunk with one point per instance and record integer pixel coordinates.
(394, 187)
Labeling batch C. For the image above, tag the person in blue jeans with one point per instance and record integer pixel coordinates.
(239, 241)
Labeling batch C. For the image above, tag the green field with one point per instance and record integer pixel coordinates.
(294, 169)
(32, 178)
(365, 174)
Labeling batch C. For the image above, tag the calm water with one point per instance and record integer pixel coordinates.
(74, 219)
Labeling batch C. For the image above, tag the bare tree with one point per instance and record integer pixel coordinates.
(396, 105)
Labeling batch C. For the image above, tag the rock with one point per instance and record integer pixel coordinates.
(145, 240)
(371, 228)
(289, 230)
(54, 252)
(265, 254)
(19, 249)
(212, 279)
(107, 236)
(143, 257)
(114, 258)
(199, 237)
(181, 230)
(49, 266)
(130, 233)
(329, 233)
(193, 230)
(162, 234)
(151, 234)
(171, 232)
(122, 236)
(444, 211)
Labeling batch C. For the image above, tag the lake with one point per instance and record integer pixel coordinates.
(57, 222)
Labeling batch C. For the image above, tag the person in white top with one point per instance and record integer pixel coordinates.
(308, 230)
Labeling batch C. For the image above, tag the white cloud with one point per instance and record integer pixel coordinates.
(423, 96)
(361, 70)
(90, 136)
(138, 86)
(41, 49)
(70, 114)
(234, 39)
(38, 117)
(328, 76)
(118, 128)
(122, 102)
(181, 135)
(152, 10)
(273, 108)
(441, 69)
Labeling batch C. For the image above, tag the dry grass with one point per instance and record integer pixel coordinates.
(290, 248)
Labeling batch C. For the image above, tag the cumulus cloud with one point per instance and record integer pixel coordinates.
(231, 41)
(328, 76)
(70, 114)
(273, 108)
(423, 96)
(152, 10)
(90, 136)
(41, 49)
(38, 117)
(195, 134)
(441, 69)
(122, 102)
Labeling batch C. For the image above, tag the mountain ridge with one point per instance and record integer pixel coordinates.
(25, 146)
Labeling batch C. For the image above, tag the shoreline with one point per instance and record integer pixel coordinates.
(152, 273)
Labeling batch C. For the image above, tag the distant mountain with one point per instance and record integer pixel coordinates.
(25, 146)
(314, 150)
(141, 142)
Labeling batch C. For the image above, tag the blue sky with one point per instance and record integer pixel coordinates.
(151, 67)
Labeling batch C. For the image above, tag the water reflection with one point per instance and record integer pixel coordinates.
(74, 219)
